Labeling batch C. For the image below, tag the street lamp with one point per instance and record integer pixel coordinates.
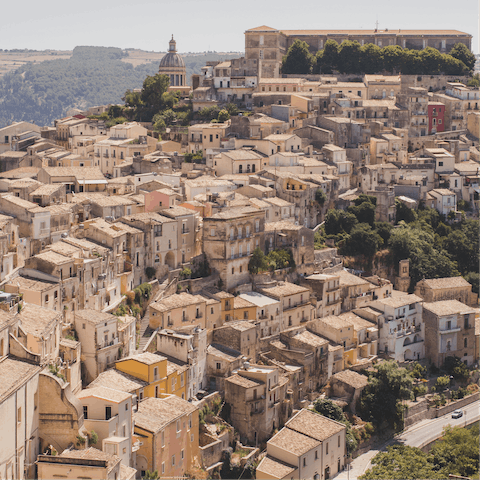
(348, 467)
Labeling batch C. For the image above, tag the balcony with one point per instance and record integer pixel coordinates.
(445, 331)
(295, 305)
(185, 230)
(110, 343)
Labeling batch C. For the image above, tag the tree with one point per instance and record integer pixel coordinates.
(158, 123)
(223, 115)
(474, 279)
(392, 58)
(258, 261)
(384, 229)
(151, 475)
(431, 60)
(298, 59)
(380, 400)
(338, 221)
(456, 453)
(462, 53)
(474, 81)
(442, 383)
(364, 211)
(371, 59)
(349, 57)
(402, 212)
(400, 462)
(320, 196)
(152, 95)
(363, 240)
(455, 367)
(329, 57)
(329, 409)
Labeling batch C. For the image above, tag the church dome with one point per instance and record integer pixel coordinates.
(172, 59)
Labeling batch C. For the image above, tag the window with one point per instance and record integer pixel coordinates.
(465, 343)
(304, 462)
(179, 427)
(339, 440)
(173, 460)
(163, 468)
(183, 454)
(219, 365)
(108, 413)
(19, 414)
(190, 421)
(316, 454)
(163, 438)
(212, 232)
(257, 225)
(192, 436)
(85, 412)
(326, 448)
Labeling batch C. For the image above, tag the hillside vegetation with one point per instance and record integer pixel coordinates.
(43, 91)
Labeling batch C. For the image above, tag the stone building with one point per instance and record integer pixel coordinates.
(256, 396)
(309, 446)
(450, 288)
(449, 331)
(229, 239)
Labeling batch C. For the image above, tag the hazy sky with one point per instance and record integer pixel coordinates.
(200, 25)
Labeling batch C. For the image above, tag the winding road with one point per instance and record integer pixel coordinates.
(417, 435)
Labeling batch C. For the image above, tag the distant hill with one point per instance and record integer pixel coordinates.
(43, 91)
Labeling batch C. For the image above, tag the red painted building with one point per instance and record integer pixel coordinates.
(436, 117)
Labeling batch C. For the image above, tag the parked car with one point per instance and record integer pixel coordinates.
(457, 414)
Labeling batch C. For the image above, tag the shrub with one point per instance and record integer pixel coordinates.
(150, 272)
(93, 437)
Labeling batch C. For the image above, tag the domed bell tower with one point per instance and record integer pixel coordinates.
(172, 64)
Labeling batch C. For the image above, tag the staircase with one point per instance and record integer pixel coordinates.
(145, 330)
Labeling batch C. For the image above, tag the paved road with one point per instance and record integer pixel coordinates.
(418, 435)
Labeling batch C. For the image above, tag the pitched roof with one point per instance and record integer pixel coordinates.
(146, 357)
(105, 393)
(14, 373)
(293, 441)
(448, 282)
(94, 316)
(243, 381)
(275, 468)
(354, 379)
(118, 380)
(179, 300)
(92, 454)
(154, 414)
(36, 320)
(314, 425)
(447, 307)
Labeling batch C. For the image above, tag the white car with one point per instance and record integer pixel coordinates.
(457, 414)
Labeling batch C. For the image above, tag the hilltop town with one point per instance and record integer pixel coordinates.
(249, 273)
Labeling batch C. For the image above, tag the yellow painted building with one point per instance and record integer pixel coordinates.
(168, 429)
(161, 376)
(243, 309)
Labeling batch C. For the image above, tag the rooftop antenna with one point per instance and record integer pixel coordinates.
(376, 26)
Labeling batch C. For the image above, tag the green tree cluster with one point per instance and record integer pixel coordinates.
(276, 259)
(380, 401)
(435, 249)
(456, 453)
(351, 57)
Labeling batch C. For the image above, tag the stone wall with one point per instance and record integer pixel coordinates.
(421, 410)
